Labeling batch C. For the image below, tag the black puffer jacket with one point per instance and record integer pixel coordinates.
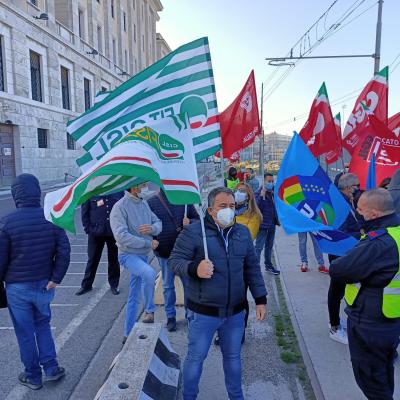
(169, 232)
(235, 266)
(373, 263)
(31, 248)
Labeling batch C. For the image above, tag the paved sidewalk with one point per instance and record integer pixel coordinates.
(307, 294)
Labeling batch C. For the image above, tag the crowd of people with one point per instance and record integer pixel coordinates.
(240, 222)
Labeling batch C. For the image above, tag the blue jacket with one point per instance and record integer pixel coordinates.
(96, 214)
(351, 225)
(169, 232)
(236, 266)
(268, 210)
(373, 262)
(31, 248)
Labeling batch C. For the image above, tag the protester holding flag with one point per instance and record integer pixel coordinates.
(394, 190)
(266, 235)
(133, 225)
(173, 220)
(371, 273)
(216, 289)
(348, 185)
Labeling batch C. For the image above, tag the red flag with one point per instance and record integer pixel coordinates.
(319, 132)
(240, 123)
(372, 100)
(394, 124)
(376, 139)
(334, 155)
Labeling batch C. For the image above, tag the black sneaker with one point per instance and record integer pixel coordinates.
(23, 380)
(56, 375)
(272, 270)
(114, 291)
(82, 291)
(171, 324)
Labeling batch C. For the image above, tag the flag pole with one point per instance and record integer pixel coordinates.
(261, 161)
(203, 231)
(221, 153)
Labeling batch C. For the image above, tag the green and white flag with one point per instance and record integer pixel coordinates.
(181, 82)
(162, 154)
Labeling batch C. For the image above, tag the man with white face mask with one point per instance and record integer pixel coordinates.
(134, 225)
(215, 289)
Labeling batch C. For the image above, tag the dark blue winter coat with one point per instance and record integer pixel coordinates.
(351, 225)
(31, 248)
(96, 214)
(236, 266)
(169, 232)
(268, 210)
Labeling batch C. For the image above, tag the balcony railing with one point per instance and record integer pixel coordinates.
(65, 33)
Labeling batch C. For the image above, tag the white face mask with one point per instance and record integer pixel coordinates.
(225, 217)
(145, 193)
(240, 197)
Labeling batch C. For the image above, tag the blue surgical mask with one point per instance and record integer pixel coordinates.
(269, 186)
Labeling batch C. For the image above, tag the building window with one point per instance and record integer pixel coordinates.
(34, 2)
(2, 83)
(70, 142)
(81, 21)
(112, 8)
(142, 42)
(36, 78)
(99, 39)
(42, 138)
(124, 20)
(126, 61)
(86, 89)
(114, 45)
(136, 69)
(66, 103)
(134, 32)
(103, 89)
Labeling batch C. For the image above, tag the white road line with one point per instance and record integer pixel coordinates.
(18, 392)
(84, 262)
(64, 305)
(11, 328)
(67, 287)
(81, 273)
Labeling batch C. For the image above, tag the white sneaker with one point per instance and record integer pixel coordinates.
(339, 335)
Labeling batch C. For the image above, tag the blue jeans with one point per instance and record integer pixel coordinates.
(303, 248)
(201, 332)
(29, 307)
(143, 278)
(265, 238)
(168, 278)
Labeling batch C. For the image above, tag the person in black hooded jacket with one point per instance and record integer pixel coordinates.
(34, 258)
(173, 219)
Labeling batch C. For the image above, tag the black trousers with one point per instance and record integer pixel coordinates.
(95, 249)
(335, 296)
(372, 352)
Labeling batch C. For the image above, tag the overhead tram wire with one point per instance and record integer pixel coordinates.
(330, 32)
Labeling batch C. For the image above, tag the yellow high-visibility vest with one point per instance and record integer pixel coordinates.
(391, 293)
(232, 184)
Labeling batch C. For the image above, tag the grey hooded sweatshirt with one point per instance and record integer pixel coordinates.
(394, 190)
(126, 217)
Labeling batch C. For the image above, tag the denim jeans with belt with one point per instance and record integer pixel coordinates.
(29, 307)
(143, 278)
(303, 248)
(201, 332)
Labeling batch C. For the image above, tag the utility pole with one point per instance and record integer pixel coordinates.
(377, 55)
(261, 161)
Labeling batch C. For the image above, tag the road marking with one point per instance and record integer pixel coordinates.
(64, 305)
(84, 262)
(81, 273)
(68, 287)
(19, 392)
(11, 328)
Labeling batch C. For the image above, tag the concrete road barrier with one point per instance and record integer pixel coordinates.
(147, 368)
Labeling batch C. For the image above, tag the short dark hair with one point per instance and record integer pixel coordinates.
(268, 174)
(215, 192)
(251, 170)
(232, 170)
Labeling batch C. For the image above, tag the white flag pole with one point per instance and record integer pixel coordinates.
(186, 208)
(203, 230)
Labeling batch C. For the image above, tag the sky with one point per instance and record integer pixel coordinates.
(242, 33)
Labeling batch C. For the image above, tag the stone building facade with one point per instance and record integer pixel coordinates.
(55, 55)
